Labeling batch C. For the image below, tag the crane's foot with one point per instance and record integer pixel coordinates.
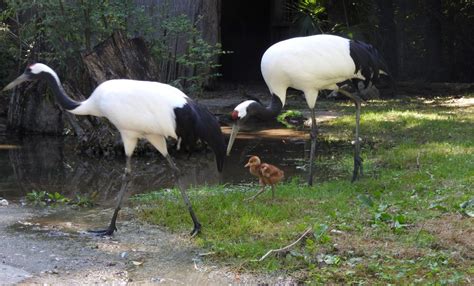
(104, 232)
(358, 172)
(196, 230)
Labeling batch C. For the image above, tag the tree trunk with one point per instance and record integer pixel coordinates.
(433, 40)
(119, 57)
(388, 44)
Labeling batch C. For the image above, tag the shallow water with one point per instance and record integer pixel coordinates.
(46, 164)
(40, 163)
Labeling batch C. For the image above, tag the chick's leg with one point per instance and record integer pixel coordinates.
(257, 194)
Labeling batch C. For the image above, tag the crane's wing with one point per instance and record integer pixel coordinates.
(194, 121)
(368, 60)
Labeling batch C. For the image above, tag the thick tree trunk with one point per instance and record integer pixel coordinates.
(32, 110)
(119, 57)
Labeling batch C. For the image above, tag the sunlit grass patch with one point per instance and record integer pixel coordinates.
(402, 223)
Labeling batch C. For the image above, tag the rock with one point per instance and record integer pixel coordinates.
(124, 254)
(3, 203)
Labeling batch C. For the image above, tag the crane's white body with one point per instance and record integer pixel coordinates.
(308, 64)
(148, 107)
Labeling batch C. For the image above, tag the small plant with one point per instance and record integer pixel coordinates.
(37, 197)
(321, 233)
(397, 222)
(467, 208)
(56, 198)
(291, 118)
(43, 198)
(83, 201)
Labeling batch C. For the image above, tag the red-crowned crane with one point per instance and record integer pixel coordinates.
(141, 109)
(311, 64)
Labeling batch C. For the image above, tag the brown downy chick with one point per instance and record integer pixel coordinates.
(268, 174)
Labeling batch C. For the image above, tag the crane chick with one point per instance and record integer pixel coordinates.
(267, 174)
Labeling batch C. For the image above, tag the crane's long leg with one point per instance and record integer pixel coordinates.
(313, 135)
(197, 225)
(126, 178)
(358, 170)
(159, 143)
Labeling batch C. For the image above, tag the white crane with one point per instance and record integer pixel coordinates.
(311, 64)
(140, 109)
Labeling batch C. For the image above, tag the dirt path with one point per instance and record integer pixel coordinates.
(50, 247)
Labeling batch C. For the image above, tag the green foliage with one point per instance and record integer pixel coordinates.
(288, 116)
(467, 208)
(9, 48)
(56, 198)
(310, 15)
(37, 197)
(83, 201)
(59, 31)
(199, 58)
(43, 198)
(321, 233)
(353, 19)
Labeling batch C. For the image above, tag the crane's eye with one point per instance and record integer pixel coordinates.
(29, 68)
(234, 115)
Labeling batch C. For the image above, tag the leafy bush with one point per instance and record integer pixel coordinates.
(199, 58)
(59, 31)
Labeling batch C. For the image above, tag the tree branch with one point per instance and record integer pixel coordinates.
(307, 231)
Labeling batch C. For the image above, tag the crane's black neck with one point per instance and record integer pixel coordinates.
(269, 112)
(63, 99)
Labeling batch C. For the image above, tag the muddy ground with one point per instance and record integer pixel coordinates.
(50, 246)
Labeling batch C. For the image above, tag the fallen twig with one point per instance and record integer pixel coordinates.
(308, 230)
(418, 161)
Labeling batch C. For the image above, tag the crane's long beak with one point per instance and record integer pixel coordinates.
(17, 81)
(233, 135)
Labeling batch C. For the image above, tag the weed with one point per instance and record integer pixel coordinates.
(43, 198)
(291, 118)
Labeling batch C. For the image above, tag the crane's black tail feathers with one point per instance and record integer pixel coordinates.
(194, 121)
(368, 61)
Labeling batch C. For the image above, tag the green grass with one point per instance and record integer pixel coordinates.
(401, 224)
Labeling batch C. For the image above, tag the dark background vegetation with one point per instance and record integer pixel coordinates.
(199, 42)
(428, 40)
(425, 39)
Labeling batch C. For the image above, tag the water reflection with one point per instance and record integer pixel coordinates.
(48, 164)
